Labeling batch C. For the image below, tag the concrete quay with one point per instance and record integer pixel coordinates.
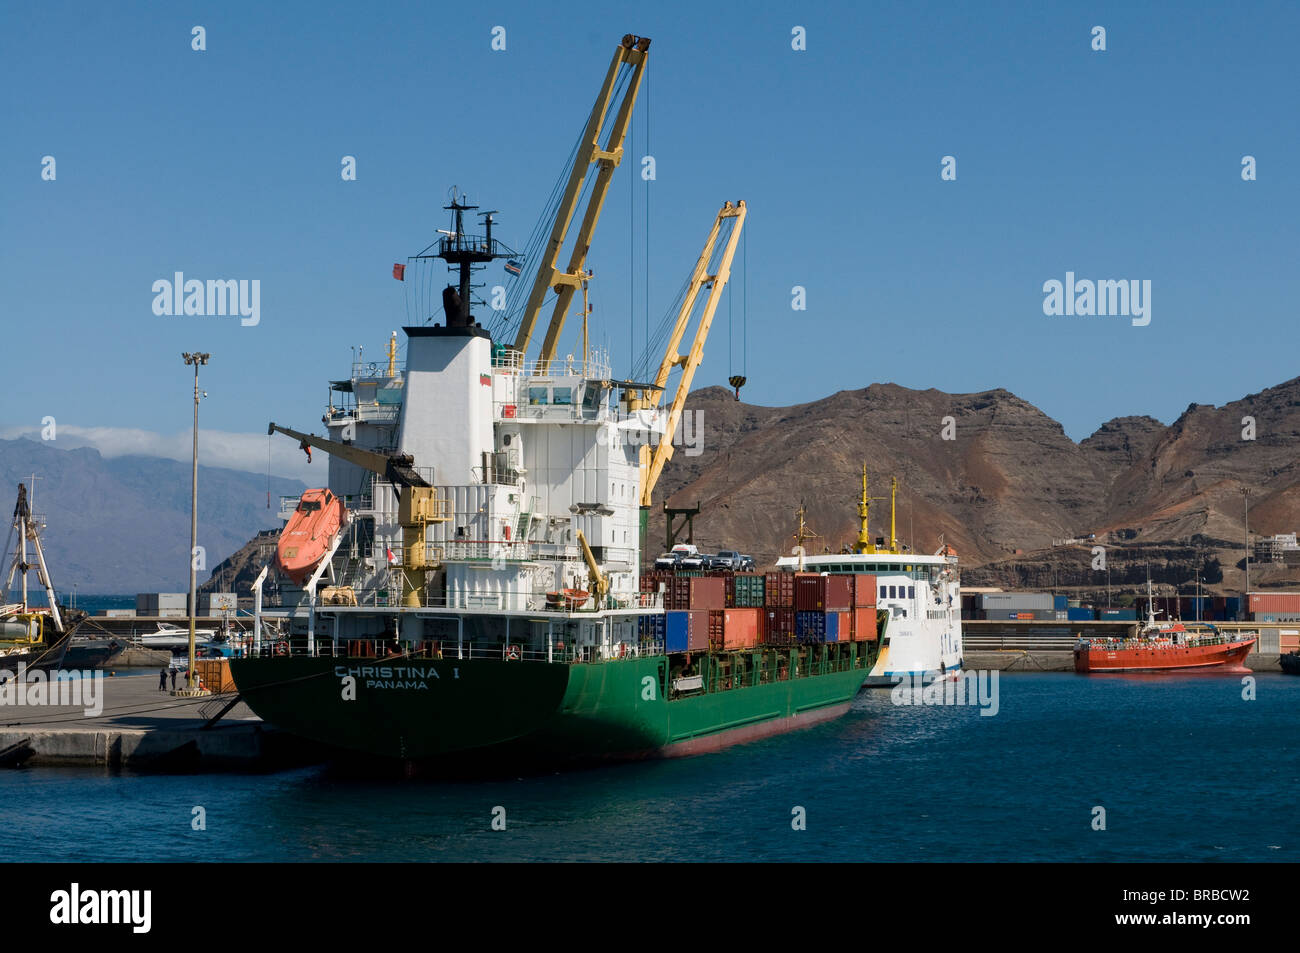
(142, 728)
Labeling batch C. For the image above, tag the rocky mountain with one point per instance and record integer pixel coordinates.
(122, 524)
(990, 474)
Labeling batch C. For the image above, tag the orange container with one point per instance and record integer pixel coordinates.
(864, 625)
(864, 590)
(740, 628)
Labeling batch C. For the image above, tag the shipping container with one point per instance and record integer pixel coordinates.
(778, 627)
(817, 593)
(1288, 640)
(1080, 614)
(739, 629)
(864, 591)
(152, 603)
(1278, 602)
(696, 592)
(217, 600)
(1276, 617)
(749, 591)
(778, 590)
(686, 631)
(864, 624)
(652, 628)
(1059, 603)
(816, 627)
(1113, 615)
(1017, 600)
(116, 613)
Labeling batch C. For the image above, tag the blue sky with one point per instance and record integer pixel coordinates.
(1123, 164)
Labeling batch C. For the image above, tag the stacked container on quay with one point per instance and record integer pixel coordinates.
(482, 596)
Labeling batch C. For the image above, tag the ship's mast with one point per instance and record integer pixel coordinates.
(893, 501)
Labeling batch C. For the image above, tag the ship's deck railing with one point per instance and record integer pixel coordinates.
(510, 361)
(1189, 641)
(532, 600)
(378, 651)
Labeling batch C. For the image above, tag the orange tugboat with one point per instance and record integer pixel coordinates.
(1163, 647)
(309, 534)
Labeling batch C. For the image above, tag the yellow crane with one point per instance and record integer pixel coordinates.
(654, 458)
(632, 50)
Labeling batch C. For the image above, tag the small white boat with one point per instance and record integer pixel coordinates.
(171, 636)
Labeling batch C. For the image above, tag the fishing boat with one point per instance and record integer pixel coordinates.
(1165, 646)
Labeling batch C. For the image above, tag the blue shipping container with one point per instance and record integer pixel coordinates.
(1058, 602)
(1080, 615)
(1123, 615)
(651, 627)
(685, 630)
(815, 627)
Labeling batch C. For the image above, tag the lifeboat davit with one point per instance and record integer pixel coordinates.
(308, 535)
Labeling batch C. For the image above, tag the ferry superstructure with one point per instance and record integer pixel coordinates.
(920, 592)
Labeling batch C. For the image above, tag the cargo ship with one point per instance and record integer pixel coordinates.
(478, 594)
(1164, 646)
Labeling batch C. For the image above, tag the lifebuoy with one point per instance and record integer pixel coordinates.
(512, 653)
(282, 648)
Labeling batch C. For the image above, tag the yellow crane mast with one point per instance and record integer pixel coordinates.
(631, 50)
(654, 458)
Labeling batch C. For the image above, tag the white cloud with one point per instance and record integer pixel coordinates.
(217, 448)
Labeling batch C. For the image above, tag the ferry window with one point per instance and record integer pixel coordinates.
(911, 592)
(884, 592)
(893, 592)
(537, 395)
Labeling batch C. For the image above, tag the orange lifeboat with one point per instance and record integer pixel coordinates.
(307, 537)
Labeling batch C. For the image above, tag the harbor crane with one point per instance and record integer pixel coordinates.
(631, 50)
(654, 458)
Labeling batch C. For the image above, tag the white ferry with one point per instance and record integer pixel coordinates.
(922, 594)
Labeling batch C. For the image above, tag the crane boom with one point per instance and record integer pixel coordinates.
(632, 50)
(654, 458)
(399, 468)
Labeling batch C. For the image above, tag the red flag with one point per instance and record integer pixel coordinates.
(399, 272)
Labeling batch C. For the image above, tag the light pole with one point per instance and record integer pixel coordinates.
(195, 359)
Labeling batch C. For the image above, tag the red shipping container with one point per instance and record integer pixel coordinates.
(817, 593)
(864, 590)
(778, 591)
(740, 628)
(707, 592)
(696, 592)
(778, 626)
(1275, 602)
(864, 624)
(717, 624)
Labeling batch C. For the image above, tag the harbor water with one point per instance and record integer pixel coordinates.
(1184, 767)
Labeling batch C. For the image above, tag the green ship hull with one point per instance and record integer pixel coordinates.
(516, 712)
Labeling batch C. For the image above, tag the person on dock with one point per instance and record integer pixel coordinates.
(162, 679)
(174, 672)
